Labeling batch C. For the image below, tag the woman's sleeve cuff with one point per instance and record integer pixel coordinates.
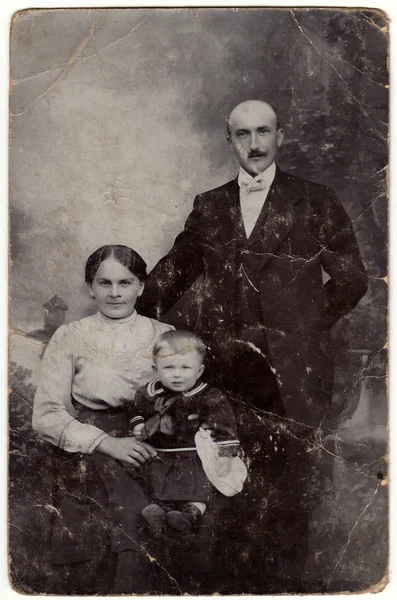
(95, 443)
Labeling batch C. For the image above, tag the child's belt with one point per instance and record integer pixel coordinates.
(224, 443)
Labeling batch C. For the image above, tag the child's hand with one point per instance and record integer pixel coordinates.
(207, 428)
(137, 431)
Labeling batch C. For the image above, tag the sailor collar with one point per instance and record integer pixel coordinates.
(153, 390)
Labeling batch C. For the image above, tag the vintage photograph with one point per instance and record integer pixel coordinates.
(199, 298)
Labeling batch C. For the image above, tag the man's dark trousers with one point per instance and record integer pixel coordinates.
(273, 520)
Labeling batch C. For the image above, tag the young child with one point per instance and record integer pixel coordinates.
(181, 416)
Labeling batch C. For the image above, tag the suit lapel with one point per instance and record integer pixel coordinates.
(229, 214)
(278, 216)
(274, 223)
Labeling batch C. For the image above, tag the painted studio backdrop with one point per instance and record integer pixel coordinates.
(117, 122)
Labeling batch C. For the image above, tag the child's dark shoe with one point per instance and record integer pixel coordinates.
(154, 516)
(187, 519)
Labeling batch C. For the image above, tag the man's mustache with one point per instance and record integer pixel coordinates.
(256, 154)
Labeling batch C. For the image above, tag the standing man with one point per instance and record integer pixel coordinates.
(262, 243)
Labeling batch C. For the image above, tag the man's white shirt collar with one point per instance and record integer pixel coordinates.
(267, 176)
(251, 202)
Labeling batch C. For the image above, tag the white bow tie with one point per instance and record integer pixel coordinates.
(256, 185)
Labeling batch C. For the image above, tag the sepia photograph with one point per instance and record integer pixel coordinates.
(199, 279)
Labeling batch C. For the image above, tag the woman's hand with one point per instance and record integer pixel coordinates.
(127, 449)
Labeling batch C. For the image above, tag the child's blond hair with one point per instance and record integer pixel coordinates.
(179, 341)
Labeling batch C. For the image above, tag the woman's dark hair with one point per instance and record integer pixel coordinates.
(124, 255)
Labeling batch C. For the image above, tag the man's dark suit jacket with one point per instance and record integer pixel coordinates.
(306, 231)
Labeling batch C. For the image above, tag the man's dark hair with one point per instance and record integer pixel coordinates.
(124, 255)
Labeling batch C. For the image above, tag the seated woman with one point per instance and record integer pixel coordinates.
(90, 371)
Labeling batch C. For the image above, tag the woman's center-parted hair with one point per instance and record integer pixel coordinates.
(178, 341)
(123, 254)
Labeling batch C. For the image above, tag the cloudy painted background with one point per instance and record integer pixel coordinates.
(118, 121)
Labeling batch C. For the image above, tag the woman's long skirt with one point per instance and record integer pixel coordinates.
(97, 524)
